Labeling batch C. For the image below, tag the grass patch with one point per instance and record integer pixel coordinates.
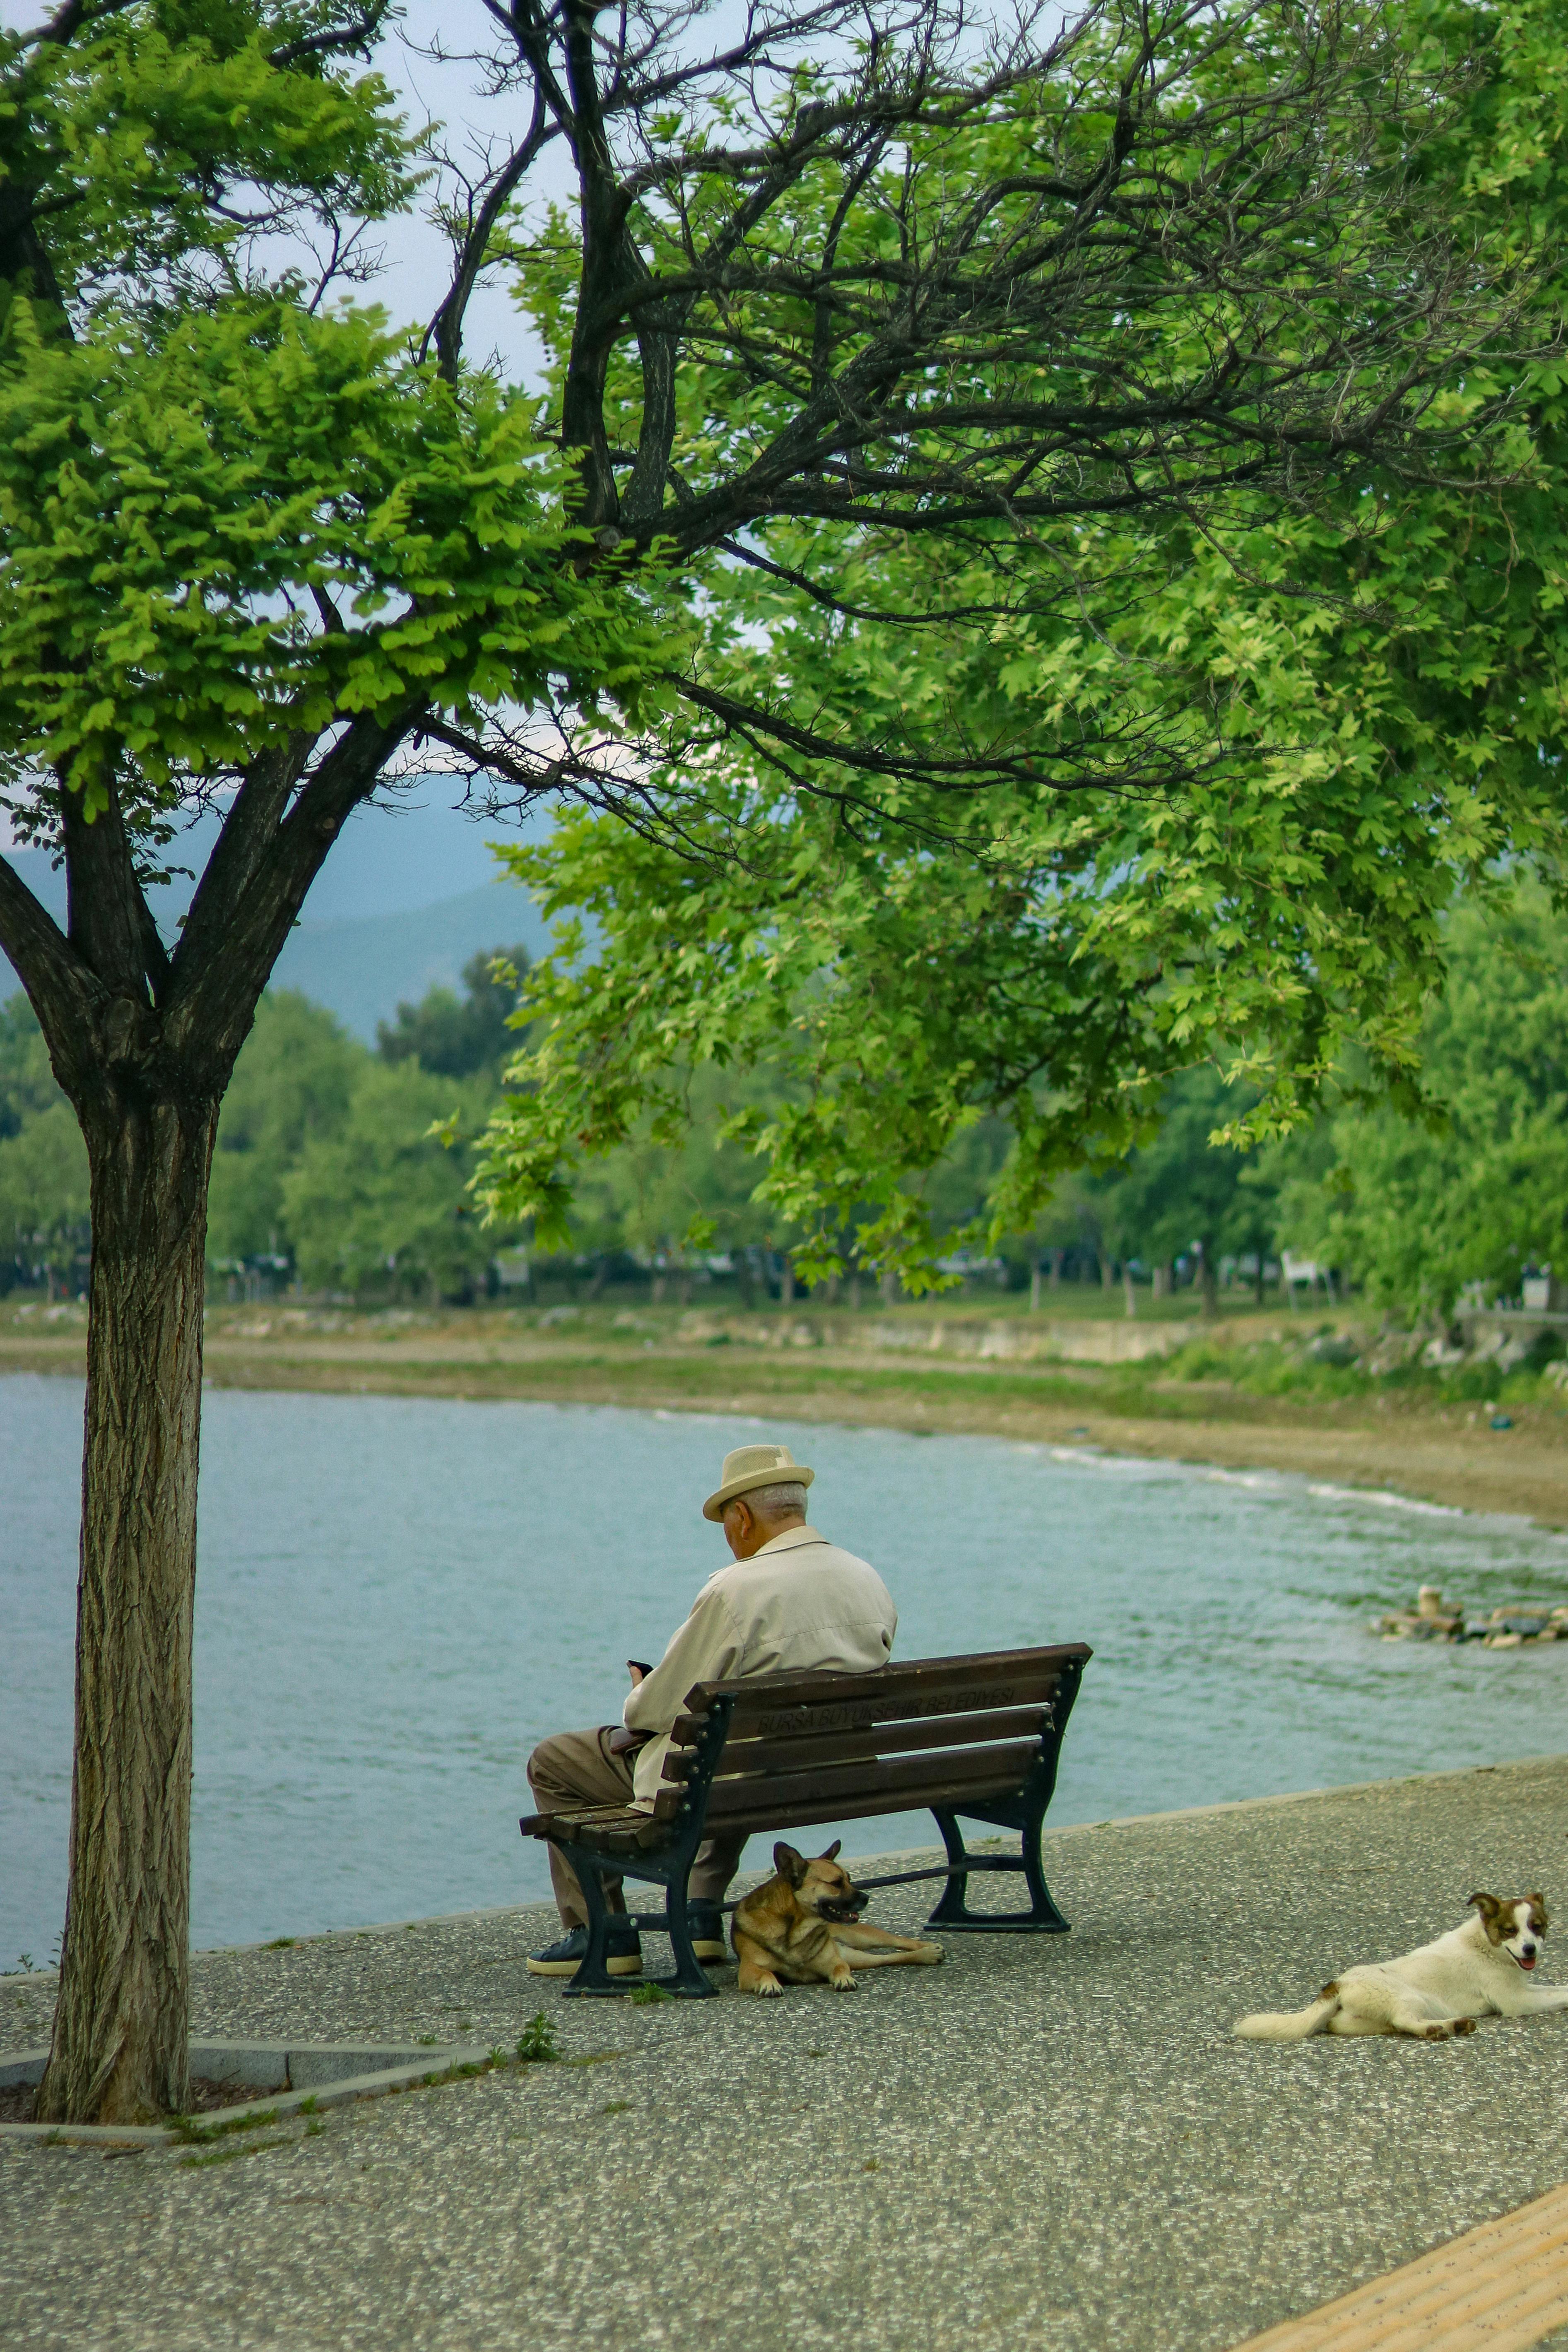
(647, 1994)
(231, 2155)
(192, 2132)
(616, 2108)
(282, 1944)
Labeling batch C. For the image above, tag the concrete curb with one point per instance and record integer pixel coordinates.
(311, 2070)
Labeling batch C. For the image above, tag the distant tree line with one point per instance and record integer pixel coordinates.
(328, 1171)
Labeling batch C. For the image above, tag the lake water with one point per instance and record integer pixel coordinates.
(397, 1597)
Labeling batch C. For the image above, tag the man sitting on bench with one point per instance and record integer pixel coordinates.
(792, 1602)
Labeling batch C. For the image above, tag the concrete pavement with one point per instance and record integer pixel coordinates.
(1049, 2142)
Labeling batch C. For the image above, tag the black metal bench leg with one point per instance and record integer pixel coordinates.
(1043, 1911)
(690, 1979)
(953, 1912)
(594, 1976)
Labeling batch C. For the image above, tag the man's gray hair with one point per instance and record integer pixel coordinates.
(776, 1501)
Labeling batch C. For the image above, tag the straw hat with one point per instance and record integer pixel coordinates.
(755, 1466)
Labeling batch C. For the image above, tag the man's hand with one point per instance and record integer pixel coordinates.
(637, 1670)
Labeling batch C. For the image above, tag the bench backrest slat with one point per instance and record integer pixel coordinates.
(748, 1757)
(916, 1780)
(925, 1686)
(939, 1724)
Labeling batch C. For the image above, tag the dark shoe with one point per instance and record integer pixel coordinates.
(623, 1956)
(705, 1922)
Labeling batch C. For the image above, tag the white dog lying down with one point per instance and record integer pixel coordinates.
(1482, 1969)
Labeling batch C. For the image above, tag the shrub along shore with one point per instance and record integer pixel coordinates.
(1324, 1393)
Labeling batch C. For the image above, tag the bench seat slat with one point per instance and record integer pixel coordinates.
(618, 1829)
(741, 1756)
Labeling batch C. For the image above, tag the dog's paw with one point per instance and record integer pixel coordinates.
(1465, 2024)
(929, 1955)
(1439, 2033)
(842, 1982)
(770, 1989)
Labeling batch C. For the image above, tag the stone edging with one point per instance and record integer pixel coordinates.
(309, 2059)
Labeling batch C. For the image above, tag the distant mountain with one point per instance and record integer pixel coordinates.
(362, 970)
(400, 906)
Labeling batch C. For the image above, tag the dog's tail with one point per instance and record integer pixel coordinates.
(1291, 2025)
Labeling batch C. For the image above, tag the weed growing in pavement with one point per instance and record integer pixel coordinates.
(230, 2154)
(314, 2130)
(307, 2106)
(536, 2044)
(192, 2132)
(24, 1966)
(618, 2107)
(645, 1995)
(282, 1944)
(427, 2041)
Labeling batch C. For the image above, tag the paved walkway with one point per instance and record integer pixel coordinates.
(1050, 2143)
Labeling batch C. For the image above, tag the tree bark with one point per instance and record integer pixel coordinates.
(1130, 1296)
(1208, 1276)
(119, 2052)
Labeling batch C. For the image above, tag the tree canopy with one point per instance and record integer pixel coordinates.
(1283, 734)
(1418, 1211)
(861, 313)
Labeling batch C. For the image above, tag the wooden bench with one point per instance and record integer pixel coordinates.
(976, 1738)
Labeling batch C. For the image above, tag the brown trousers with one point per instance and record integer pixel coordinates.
(576, 1767)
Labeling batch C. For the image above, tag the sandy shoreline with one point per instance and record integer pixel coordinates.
(1447, 1454)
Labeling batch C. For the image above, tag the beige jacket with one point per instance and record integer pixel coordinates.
(797, 1603)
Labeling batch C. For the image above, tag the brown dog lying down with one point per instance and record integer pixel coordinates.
(804, 1927)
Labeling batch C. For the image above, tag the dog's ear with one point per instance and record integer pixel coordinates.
(788, 1864)
(1488, 1906)
(831, 1853)
(1538, 1905)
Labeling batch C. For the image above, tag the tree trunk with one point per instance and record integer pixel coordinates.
(787, 1283)
(1034, 1283)
(1208, 1275)
(1129, 1293)
(119, 2053)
